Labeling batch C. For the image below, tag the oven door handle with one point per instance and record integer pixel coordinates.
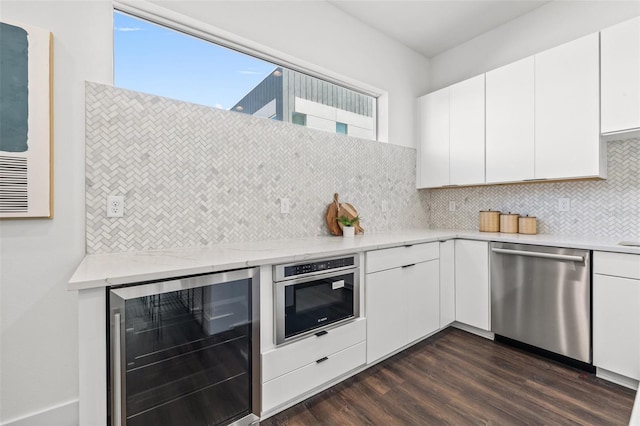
(117, 372)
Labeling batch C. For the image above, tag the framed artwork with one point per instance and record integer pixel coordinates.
(26, 121)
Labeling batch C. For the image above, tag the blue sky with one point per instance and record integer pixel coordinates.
(156, 60)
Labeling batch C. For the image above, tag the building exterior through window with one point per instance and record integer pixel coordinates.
(298, 98)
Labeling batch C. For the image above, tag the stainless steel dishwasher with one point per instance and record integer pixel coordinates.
(541, 296)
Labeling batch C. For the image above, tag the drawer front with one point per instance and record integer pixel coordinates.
(617, 264)
(291, 385)
(380, 260)
(290, 357)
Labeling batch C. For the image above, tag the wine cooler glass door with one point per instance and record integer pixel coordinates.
(181, 351)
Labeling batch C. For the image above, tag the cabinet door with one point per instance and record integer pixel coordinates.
(620, 79)
(510, 122)
(616, 325)
(466, 140)
(422, 299)
(472, 283)
(385, 295)
(447, 283)
(567, 136)
(433, 152)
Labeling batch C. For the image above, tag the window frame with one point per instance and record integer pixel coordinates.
(193, 27)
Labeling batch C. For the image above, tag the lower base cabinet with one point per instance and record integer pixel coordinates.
(296, 383)
(616, 313)
(472, 283)
(402, 302)
(291, 370)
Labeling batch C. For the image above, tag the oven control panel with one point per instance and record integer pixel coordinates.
(292, 270)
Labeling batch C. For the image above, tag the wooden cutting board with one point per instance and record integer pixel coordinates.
(332, 216)
(337, 209)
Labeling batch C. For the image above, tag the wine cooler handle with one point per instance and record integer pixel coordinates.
(117, 374)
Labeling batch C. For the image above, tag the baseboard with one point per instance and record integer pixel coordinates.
(65, 414)
(616, 378)
(473, 330)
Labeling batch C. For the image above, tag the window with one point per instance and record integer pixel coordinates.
(154, 59)
(297, 118)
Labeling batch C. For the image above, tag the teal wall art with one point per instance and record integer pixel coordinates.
(26, 140)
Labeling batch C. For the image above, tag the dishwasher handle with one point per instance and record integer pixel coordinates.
(539, 254)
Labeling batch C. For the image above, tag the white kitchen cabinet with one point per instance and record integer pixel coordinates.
(293, 369)
(423, 299)
(447, 283)
(403, 300)
(616, 313)
(567, 111)
(620, 77)
(510, 122)
(433, 150)
(298, 382)
(472, 283)
(386, 313)
(466, 134)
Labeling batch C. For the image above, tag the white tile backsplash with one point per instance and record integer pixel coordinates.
(195, 176)
(599, 208)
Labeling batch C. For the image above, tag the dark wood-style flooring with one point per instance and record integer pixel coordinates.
(458, 378)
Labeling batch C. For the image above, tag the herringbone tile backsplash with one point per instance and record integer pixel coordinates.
(194, 175)
(599, 208)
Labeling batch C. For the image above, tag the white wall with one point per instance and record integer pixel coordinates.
(550, 25)
(321, 34)
(38, 316)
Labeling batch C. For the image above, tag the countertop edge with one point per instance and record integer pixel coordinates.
(108, 269)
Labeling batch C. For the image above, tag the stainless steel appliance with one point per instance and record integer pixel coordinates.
(541, 296)
(314, 295)
(185, 351)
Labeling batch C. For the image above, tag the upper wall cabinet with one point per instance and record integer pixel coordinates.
(620, 85)
(567, 111)
(466, 132)
(541, 117)
(510, 122)
(433, 151)
(451, 151)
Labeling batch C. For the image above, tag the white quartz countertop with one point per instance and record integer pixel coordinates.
(101, 270)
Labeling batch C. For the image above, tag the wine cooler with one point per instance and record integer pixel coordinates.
(185, 351)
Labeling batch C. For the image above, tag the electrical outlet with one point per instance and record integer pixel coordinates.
(564, 204)
(385, 206)
(284, 205)
(452, 206)
(115, 206)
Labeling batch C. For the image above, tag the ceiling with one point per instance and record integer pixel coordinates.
(433, 26)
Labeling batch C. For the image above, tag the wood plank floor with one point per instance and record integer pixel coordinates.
(458, 378)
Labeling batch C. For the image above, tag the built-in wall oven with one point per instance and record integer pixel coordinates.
(185, 351)
(314, 295)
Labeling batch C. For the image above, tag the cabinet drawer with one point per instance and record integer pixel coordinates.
(617, 264)
(298, 354)
(379, 260)
(289, 386)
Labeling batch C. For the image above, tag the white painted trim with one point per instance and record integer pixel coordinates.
(616, 378)
(63, 414)
(473, 330)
